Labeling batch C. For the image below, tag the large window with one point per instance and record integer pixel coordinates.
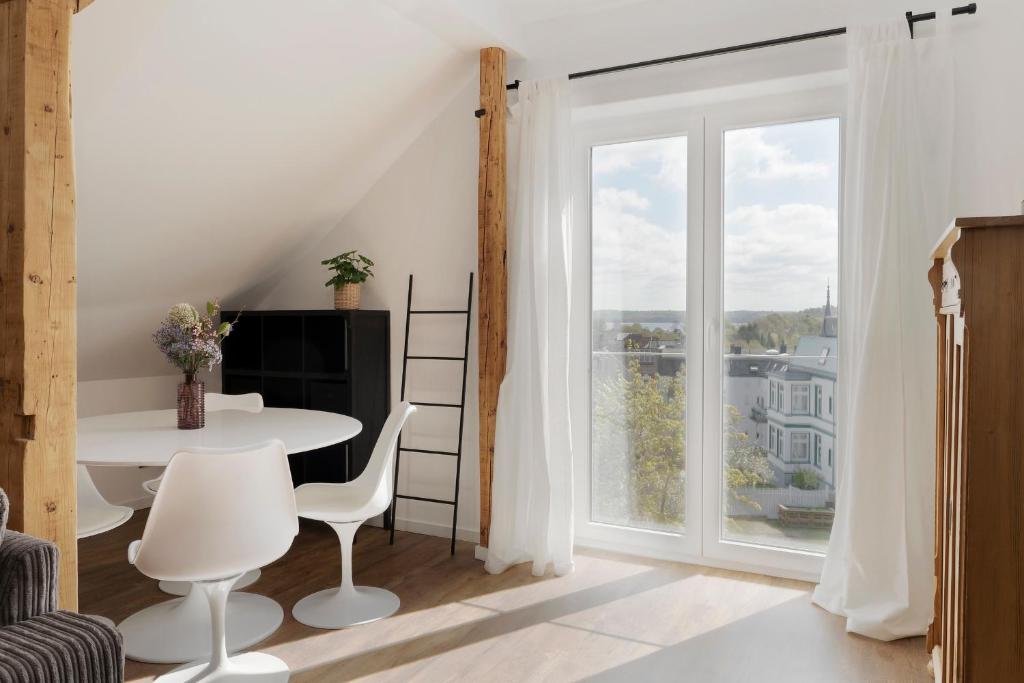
(780, 250)
(712, 238)
(638, 381)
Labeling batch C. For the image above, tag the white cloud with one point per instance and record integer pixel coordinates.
(613, 198)
(748, 155)
(668, 153)
(636, 263)
(780, 258)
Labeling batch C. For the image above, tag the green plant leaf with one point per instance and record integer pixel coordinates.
(349, 267)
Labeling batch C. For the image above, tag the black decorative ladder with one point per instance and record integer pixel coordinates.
(461, 406)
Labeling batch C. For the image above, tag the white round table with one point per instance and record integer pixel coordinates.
(151, 437)
(178, 630)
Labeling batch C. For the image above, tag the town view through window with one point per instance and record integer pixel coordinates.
(780, 318)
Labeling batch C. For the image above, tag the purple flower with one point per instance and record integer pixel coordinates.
(191, 343)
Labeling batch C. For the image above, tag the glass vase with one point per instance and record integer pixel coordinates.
(191, 403)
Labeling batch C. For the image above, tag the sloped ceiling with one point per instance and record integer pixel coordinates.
(214, 138)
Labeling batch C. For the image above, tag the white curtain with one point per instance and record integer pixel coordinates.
(531, 505)
(878, 571)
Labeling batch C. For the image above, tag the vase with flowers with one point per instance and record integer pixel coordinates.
(192, 341)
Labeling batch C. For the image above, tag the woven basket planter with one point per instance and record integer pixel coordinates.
(346, 297)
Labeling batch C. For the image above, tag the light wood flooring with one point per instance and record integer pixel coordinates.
(616, 618)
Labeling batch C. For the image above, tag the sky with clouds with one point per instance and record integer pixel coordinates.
(781, 201)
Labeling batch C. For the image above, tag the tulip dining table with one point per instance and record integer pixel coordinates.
(178, 631)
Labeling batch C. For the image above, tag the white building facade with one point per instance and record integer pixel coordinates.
(801, 411)
(788, 404)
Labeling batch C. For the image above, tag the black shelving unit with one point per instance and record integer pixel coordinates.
(337, 361)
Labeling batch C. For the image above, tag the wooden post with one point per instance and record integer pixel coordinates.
(37, 278)
(491, 241)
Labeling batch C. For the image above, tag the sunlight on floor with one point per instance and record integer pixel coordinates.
(594, 620)
(616, 618)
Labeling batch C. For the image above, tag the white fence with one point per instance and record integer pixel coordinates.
(765, 502)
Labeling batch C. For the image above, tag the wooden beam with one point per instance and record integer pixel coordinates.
(37, 278)
(76, 5)
(492, 238)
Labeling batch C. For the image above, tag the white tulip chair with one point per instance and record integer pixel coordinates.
(207, 530)
(345, 507)
(95, 514)
(250, 403)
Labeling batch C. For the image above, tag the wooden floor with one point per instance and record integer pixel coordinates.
(615, 619)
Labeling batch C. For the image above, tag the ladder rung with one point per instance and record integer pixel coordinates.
(426, 450)
(426, 500)
(437, 405)
(439, 312)
(435, 358)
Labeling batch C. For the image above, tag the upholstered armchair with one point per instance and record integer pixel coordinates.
(38, 642)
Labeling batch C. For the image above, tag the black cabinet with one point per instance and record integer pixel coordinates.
(337, 361)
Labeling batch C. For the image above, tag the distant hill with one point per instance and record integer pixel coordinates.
(753, 331)
(641, 316)
(740, 317)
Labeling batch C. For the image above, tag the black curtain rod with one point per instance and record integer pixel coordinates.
(911, 20)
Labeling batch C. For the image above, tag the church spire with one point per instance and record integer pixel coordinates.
(830, 323)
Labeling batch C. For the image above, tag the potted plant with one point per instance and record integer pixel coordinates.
(351, 270)
(192, 341)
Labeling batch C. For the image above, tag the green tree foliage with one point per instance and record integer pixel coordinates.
(746, 463)
(805, 479)
(640, 422)
(770, 330)
(639, 441)
(659, 333)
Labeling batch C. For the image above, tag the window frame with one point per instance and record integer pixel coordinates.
(703, 543)
(684, 546)
(803, 407)
(806, 105)
(805, 442)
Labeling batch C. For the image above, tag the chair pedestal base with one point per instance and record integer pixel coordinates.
(178, 630)
(251, 667)
(182, 587)
(333, 609)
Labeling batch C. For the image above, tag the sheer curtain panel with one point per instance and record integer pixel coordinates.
(878, 572)
(531, 508)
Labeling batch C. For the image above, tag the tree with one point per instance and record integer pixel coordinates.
(746, 463)
(639, 445)
(639, 441)
(656, 419)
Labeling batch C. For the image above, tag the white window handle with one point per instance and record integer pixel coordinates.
(710, 328)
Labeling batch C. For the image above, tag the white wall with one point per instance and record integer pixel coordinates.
(988, 177)
(420, 218)
(214, 139)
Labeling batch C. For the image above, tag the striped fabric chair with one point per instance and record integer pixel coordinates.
(38, 642)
